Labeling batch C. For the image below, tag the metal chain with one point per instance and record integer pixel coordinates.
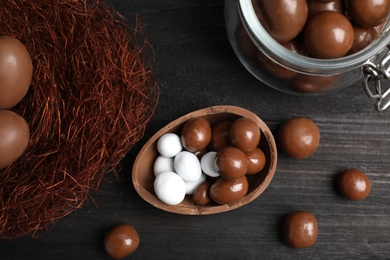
(373, 74)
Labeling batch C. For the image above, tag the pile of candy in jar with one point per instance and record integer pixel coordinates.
(321, 28)
(208, 162)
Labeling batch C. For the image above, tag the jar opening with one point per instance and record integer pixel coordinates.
(303, 64)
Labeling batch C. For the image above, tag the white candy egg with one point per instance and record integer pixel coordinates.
(187, 165)
(169, 145)
(163, 164)
(207, 163)
(192, 185)
(170, 188)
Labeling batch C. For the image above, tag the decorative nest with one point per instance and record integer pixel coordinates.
(91, 96)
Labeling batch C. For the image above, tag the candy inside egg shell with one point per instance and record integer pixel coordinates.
(143, 176)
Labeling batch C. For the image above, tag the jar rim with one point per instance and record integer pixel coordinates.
(277, 52)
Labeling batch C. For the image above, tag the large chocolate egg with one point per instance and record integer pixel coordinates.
(14, 137)
(15, 71)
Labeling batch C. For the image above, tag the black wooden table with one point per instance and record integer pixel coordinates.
(196, 68)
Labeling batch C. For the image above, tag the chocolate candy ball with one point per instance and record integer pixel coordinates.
(220, 135)
(283, 19)
(256, 161)
(196, 134)
(328, 35)
(368, 13)
(317, 6)
(201, 195)
(299, 137)
(231, 163)
(354, 184)
(225, 191)
(300, 229)
(121, 241)
(244, 134)
(363, 36)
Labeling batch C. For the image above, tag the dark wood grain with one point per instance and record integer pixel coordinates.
(196, 68)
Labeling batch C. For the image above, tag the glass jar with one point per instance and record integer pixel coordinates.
(287, 71)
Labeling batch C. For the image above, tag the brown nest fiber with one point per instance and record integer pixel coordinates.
(91, 96)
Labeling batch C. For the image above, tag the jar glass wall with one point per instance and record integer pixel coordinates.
(288, 71)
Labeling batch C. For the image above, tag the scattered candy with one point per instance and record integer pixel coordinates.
(299, 137)
(354, 184)
(300, 229)
(121, 241)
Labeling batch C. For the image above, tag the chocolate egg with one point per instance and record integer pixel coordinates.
(300, 229)
(121, 241)
(231, 163)
(354, 184)
(15, 71)
(363, 36)
(299, 137)
(201, 195)
(282, 19)
(256, 161)
(220, 135)
(196, 134)
(14, 137)
(244, 134)
(225, 191)
(317, 6)
(328, 35)
(368, 13)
